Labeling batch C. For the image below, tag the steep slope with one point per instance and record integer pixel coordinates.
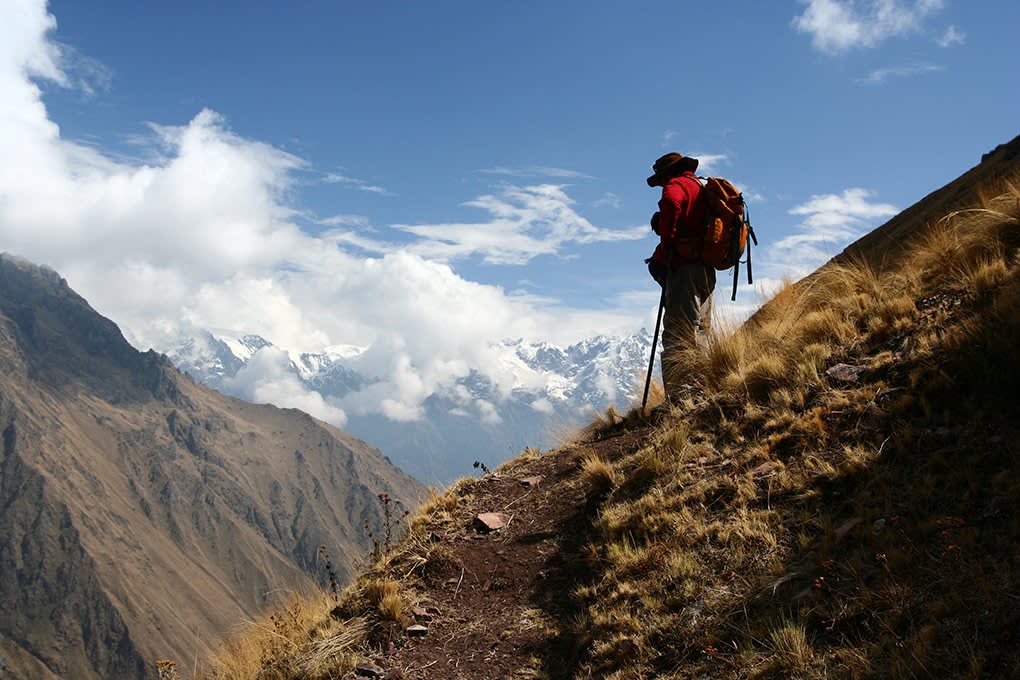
(837, 497)
(144, 515)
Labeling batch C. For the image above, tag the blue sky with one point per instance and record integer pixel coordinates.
(433, 176)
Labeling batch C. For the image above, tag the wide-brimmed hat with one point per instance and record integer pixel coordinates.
(670, 161)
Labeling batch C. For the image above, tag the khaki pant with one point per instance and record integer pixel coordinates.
(687, 315)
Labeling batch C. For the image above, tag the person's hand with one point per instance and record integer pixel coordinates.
(658, 271)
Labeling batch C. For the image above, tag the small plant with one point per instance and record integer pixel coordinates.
(384, 595)
(394, 513)
(334, 583)
(599, 475)
(791, 646)
(480, 465)
(165, 670)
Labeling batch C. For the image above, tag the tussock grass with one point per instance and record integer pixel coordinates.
(792, 649)
(598, 475)
(301, 639)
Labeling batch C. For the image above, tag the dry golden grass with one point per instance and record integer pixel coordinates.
(301, 639)
(790, 642)
(598, 476)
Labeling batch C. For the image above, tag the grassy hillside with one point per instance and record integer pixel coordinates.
(836, 497)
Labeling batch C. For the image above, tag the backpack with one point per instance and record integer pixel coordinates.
(727, 228)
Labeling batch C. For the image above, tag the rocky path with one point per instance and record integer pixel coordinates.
(499, 604)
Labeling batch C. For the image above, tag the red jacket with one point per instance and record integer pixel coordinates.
(681, 221)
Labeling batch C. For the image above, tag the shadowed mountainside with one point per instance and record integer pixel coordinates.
(142, 515)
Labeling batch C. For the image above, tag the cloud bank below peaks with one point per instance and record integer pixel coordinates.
(205, 234)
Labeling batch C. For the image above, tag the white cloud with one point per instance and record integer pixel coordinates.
(840, 25)
(951, 37)
(487, 411)
(82, 72)
(535, 171)
(609, 199)
(543, 405)
(881, 75)
(830, 223)
(525, 222)
(355, 183)
(202, 234)
(269, 378)
(344, 220)
(709, 163)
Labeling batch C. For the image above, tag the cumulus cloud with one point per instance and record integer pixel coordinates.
(269, 378)
(524, 222)
(202, 233)
(543, 405)
(881, 75)
(487, 411)
(840, 25)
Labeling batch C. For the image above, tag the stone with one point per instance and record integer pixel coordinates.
(847, 373)
(846, 527)
(888, 392)
(416, 630)
(765, 468)
(368, 670)
(490, 521)
(532, 481)
(423, 613)
(628, 648)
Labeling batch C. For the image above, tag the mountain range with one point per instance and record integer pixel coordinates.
(561, 387)
(143, 515)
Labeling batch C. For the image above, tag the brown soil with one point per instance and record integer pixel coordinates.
(501, 593)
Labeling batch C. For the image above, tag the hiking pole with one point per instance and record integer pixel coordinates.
(655, 343)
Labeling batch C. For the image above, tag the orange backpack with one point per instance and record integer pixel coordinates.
(727, 228)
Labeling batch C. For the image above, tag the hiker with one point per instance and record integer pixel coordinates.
(676, 264)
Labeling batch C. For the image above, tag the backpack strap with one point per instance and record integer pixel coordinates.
(751, 239)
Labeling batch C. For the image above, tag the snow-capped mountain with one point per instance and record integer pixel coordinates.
(552, 389)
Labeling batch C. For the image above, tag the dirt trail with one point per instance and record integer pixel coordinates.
(504, 598)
